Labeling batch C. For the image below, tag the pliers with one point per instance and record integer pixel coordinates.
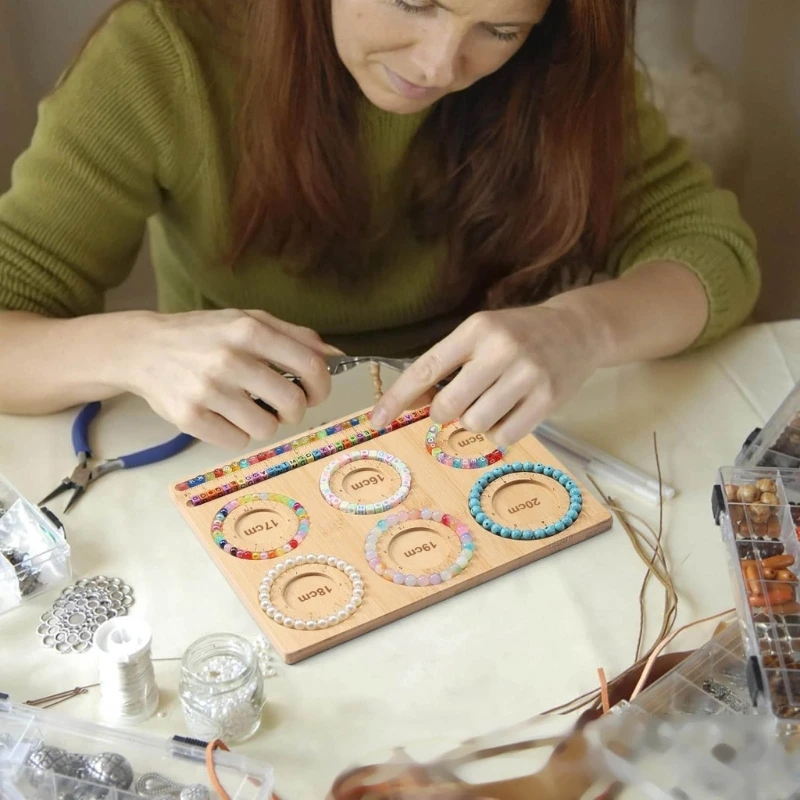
(338, 365)
(85, 474)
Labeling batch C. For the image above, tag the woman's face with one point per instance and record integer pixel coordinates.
(406, 54)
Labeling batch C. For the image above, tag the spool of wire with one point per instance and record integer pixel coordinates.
(128, 690)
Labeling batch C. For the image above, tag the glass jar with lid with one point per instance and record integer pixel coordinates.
(222, 688)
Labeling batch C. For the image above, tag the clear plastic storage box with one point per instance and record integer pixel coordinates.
(47, 756)
(34, 553)
(777, 444)
(756, 503)
(695, 733)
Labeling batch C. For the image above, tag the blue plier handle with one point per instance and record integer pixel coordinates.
(84, 473)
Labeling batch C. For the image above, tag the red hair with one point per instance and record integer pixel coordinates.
(520, 173)
(517, 173)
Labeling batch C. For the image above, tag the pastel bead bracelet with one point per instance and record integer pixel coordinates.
(335, 618)
(478, 462)
(365, 508)
(218, 526)
(483, 519)
(434, 579)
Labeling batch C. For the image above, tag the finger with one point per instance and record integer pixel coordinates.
(429, 369)
(493, 405)
(306, 335)
(207, 426)
(465, 390)
(521, 420)
(423, 400)
(238, 408)
(290, 355)
(287, 398)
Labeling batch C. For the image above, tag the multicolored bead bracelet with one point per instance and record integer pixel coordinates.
(434, 579)
(237, 483)
(336, 618)
(365, 508)
(218, 525)
(575, 501)
(459, 463)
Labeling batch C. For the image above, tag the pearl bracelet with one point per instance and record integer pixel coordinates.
(575, 501)
(459, 463)
(434, 579)
(336, 618)
(365, 508)
(218, 525)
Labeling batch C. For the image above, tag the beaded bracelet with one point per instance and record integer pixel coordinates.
(385, 525)
(575, 501)
(218, 525)
(365, 508)
(356, 598)
(459, 463)
(301, 459)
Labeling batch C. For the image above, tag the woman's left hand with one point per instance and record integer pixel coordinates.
(517, 366)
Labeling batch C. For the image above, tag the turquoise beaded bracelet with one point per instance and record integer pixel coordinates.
(575, 501)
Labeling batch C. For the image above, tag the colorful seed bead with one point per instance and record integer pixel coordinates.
(432, 446)
(218, 525)
(365, 455)
(279, 469)
(560, 525)
(385, 525)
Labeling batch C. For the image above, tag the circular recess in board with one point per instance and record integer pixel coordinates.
(525, 500)
(260, 526)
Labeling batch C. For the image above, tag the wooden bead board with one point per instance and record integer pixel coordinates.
(518, 500)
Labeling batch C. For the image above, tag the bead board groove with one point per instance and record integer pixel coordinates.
(333, 533)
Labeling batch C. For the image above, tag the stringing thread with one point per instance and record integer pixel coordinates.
(128, 690)
(377, 381)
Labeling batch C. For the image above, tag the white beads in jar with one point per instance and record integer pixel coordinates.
(222, 688)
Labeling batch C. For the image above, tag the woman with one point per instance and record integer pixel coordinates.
(379, 176)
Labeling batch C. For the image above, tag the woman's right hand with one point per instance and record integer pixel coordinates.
(199, 369)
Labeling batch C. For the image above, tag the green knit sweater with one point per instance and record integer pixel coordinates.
(139, 134)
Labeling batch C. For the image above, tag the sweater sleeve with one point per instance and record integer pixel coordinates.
(671, 211)
(102, 157)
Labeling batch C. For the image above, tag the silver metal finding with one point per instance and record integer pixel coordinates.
(110, 769)
(80, 610)
(44, 759)
(154, 785)
(157, 786)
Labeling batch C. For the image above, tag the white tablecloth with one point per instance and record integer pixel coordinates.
(491, 656)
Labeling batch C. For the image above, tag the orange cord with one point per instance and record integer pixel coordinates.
(661, 645)
(211, 768)
(604, 699)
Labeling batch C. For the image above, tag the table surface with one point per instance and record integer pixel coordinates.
(492, 656)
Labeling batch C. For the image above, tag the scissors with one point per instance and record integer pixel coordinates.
(84, 474)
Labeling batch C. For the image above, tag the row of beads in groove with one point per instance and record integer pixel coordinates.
(355, 439)
(483, 519)
(296, 444)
